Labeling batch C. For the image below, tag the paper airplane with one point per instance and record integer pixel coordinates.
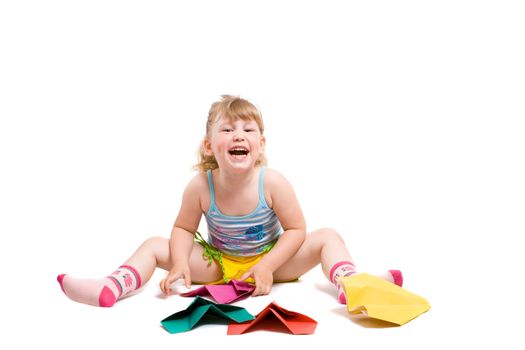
(202, 310)
(380, 299)
(224, 293)
(275, 318)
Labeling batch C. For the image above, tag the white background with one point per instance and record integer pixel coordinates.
(399, 123)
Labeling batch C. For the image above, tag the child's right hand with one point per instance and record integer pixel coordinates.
(175, 274)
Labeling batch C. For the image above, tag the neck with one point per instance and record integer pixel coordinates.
(233, 181)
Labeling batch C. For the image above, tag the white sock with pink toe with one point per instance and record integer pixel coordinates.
(347, 268)
(101, 292)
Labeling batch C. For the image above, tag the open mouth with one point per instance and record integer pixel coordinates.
(239, 151)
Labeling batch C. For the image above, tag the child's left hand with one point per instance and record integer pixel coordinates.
(263, 277)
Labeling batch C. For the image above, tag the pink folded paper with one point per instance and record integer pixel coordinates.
(224, 293)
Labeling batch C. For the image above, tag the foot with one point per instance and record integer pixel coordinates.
(393, 276)
(102, 292)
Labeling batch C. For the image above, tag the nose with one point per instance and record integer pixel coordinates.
(238, 136)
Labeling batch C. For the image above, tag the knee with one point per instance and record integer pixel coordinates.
(327, 234)
(155, 241)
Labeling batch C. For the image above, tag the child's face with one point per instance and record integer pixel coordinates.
(236, 144)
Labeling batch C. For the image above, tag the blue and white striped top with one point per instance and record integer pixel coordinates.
(245, 235)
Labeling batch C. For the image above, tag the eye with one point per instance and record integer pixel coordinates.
(227, 130)
(249, 130)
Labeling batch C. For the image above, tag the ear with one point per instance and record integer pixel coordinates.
(263, 143)
(206, 147)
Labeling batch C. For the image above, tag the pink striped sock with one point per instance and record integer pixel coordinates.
(102, 292)
(341, 269)
(347, 268)
(397, 277)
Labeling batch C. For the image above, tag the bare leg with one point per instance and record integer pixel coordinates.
(136, 271)
(155, 252)
(323, 246)
(326, 246)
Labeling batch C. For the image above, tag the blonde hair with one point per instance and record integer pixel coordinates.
(232, 108)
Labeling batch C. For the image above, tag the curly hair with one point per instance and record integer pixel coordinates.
(232, 108)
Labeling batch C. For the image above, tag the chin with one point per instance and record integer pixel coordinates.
(239, 167)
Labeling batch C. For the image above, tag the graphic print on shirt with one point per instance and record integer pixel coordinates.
(255, 233)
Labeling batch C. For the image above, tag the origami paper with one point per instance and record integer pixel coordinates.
(224, 293)
(380, 299)
(202, 309)
(273, 317)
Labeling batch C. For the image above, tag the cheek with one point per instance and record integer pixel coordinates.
(220, 145)
(258, 142)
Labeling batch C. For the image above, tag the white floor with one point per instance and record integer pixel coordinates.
(135, 321)
(467, 309)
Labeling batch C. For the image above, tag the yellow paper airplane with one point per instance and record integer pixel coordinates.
(380, 299)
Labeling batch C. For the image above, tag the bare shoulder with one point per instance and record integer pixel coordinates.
(198, 182)
(190, 212)
(280, 193)
(274, 178)
(197, 189)
(275, 184)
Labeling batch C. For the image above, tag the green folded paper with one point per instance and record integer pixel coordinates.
(205, 310)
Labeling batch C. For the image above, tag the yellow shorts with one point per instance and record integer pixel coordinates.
(233, 267)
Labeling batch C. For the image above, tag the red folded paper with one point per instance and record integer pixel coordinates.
(224, 293)
(275, 318)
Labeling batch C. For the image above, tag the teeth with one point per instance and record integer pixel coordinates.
(240, 151)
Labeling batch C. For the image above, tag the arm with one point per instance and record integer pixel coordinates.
(287, 208)
(182, 236)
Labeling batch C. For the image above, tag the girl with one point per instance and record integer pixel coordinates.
(256, 228)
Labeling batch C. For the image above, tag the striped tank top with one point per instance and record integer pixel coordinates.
(245, 235)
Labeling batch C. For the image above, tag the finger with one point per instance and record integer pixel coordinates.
(258, 288)
(267, 290)
(161, 286)
(187, 280)
(264, 289)
(164, 286)
(258, 292)
(246, 275)
(168, 281)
